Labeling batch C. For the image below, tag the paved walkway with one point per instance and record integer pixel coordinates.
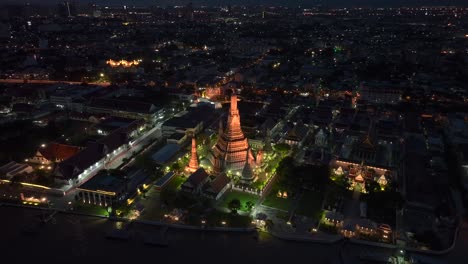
(351, 208)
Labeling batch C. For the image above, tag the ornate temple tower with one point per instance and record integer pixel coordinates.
(193, 163)
(232, 147)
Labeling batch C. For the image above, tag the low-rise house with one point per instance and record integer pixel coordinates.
(217, 187)
(163, 181)
(195, 181)
(334, 219)
(297, 135)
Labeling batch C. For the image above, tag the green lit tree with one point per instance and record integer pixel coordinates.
(282, 148)
(176, 167)
(145, 162)
(249, 205)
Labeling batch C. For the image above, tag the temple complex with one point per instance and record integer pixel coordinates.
(359, 174)
(231, 152)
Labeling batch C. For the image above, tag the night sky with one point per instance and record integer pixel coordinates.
(374, 3)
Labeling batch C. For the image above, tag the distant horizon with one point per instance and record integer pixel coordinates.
(288, 3)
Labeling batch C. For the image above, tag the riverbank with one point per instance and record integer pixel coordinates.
(317, 238)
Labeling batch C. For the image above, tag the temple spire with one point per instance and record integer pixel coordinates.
(193, 163)
(234, 109)
(233, 129)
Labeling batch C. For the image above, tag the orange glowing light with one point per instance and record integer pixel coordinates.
(122, 63)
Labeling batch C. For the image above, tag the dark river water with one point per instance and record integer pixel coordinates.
(72, 237)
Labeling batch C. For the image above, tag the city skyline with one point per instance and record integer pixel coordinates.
(236, 133)
(305, 3)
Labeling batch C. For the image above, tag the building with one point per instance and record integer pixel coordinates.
(72, 170)
(166, 153)
(191, 122)
(71, 96)
(95, 155)
(380, 93)
(231, 151)
(125, 108)
(107, 189)
(365, 149)
(217, 187)
(321, 139)
(103, 190)
(297, 135)
(163, 181)
(11, 169)
(359, 174)
(195, 181)
(176, 138)
(54, 153)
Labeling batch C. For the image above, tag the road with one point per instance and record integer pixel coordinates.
(20, 81)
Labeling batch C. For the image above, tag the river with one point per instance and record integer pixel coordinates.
(67, 237)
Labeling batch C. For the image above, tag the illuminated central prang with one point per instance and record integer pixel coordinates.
(231, 151)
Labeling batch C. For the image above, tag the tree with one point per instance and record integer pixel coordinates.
(15, 182)
(285, 169)
(282, 148)
(168, 196)
(43, 178)
(145, 162)
(176, 166)
(315, 175)
(203, 139)
(372, 186)
(430, 238)
(249, 205)
(234, 205)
